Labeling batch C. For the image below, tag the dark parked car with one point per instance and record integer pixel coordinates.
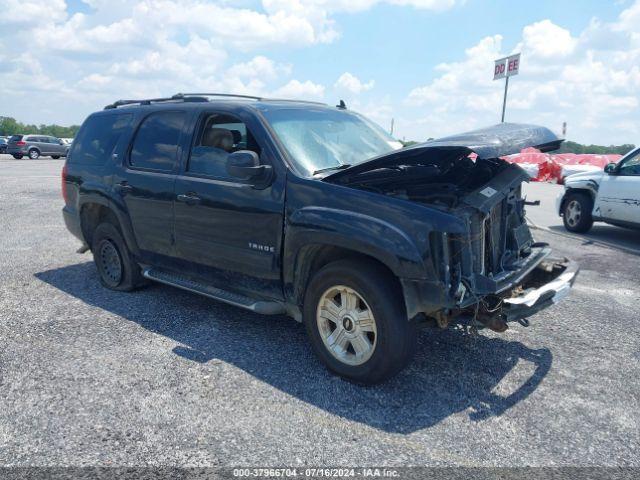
(36, 146)
(298, 208)
(3, 145)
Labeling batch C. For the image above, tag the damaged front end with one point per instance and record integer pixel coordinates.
(494, 272)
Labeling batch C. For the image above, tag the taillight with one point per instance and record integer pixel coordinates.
(64, 183)
(21, 143)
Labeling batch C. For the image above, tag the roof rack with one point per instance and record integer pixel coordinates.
(149, 101)
(231, 95)
(251, 97)
(197, 97)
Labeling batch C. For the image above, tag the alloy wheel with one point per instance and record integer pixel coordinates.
(346, 325)
(573, 212)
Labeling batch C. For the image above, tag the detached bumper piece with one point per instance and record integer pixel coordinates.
(546, 285)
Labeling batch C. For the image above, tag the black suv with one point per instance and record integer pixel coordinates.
(299, 208)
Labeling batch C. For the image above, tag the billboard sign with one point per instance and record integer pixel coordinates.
(506, 67)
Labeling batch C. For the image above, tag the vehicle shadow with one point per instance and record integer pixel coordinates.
(452, 372)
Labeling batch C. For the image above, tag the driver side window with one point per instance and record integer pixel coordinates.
(631, 166)
(218, 135)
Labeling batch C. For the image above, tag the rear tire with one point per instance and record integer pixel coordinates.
(17, 157)
(116, 268)
(576, 212)
(34, 154)
(356, 321)
(55, 157)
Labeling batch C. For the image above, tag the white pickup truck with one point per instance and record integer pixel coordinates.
(611, 196)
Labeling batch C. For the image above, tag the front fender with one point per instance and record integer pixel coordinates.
(355, 231)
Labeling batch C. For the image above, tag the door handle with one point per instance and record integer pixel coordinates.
(123, 187)
(189, 198)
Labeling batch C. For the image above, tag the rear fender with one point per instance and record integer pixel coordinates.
(118, 209)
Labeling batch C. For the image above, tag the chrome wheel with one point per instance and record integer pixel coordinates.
(346, 325)
(573, 213)
(33, 154)
(110, 262)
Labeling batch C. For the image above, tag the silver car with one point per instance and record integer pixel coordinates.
(35, 146)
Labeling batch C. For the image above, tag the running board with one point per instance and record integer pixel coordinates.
(264, 307)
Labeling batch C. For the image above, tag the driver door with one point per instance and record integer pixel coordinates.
(227, 232)
(618, 197)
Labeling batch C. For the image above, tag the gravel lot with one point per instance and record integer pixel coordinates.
(164, 377)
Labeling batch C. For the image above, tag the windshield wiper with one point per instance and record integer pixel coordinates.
(335, 167)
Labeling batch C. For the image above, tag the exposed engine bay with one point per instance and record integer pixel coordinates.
(496, 259)
(491, 270)
(440, 180)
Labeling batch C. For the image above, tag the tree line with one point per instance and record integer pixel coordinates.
(574, 147)
(10, 126)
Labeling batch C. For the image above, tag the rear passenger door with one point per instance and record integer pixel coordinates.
(227, 232)
(146, 182)
(43, 145)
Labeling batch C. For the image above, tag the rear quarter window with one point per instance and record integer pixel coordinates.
(98, 138)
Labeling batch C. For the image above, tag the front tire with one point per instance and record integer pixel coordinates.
(576, 212)
(34, 154)
(55, 157)
(116, 268)
(356, 321)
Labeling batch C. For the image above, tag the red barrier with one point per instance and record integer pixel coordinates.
(545, 167)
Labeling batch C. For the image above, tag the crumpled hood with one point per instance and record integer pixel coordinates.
(491, 142)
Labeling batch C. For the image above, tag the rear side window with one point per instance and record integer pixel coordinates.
(98, 137)
(156, 144)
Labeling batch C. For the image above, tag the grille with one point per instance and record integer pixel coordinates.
(488, 240)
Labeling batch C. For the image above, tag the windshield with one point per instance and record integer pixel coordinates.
(321, 139)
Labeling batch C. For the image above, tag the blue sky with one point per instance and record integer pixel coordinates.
(425, 63)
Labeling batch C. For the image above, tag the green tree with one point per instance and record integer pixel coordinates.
(10, 126)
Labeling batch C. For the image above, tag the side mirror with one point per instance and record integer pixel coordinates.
(611, 168)
(245, 165)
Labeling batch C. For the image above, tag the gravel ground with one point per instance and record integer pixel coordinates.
(164, 377)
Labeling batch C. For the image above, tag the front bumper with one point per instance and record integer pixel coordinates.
(548, 283)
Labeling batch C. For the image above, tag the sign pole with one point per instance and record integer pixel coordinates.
(504, 101)
(504, 68)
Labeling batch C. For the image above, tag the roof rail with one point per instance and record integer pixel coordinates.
(149, 101)
(251, 97)
(198, 97)
(183, 95)
(293, 100)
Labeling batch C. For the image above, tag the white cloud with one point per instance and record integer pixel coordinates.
(300, 90)
(19, 12)
(123, 48)
(352, 84)
(261, 67)
(591, 79)
(546, 39)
